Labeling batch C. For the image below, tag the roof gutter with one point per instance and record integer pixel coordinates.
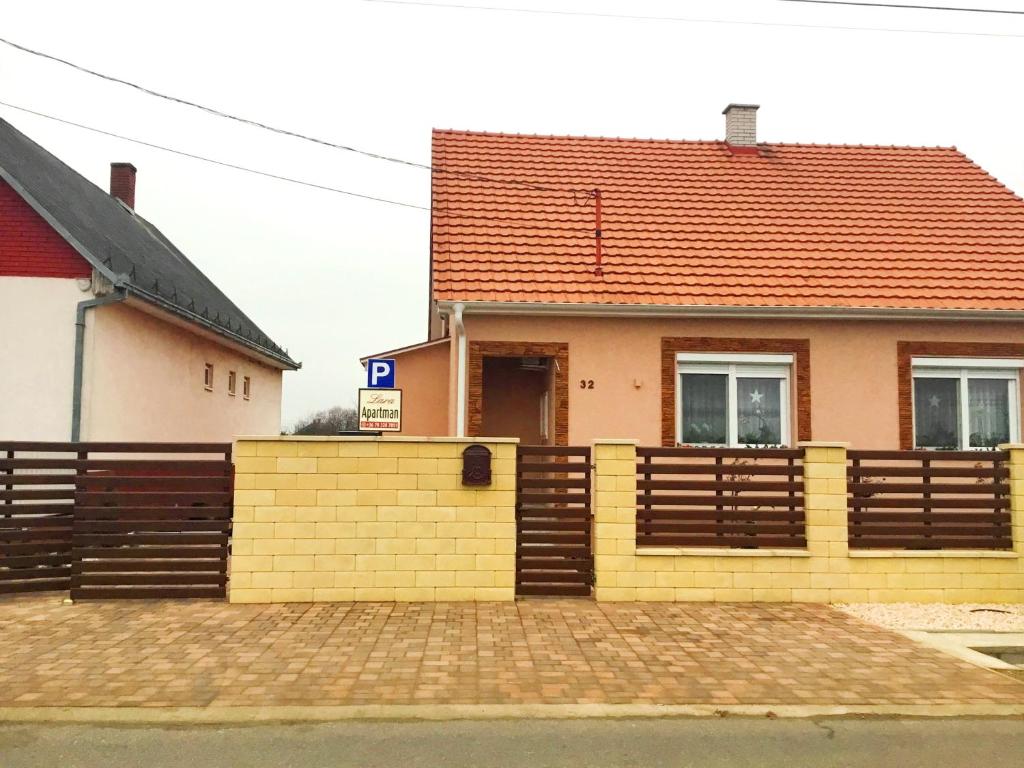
(563, 309)
(174, 309)
(76, 390)
(121, 282)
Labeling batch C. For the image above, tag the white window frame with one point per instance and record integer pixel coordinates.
(736, 366)
(964, 369)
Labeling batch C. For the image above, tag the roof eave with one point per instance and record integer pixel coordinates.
(568, 309)
(272, 358)
(124, 282)
(408, 348)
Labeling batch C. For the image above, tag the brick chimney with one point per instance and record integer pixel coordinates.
(122, 183)
(741, 124)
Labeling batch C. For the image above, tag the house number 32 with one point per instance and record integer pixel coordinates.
(586, 383)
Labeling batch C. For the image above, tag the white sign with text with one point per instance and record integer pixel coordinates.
(380, 410)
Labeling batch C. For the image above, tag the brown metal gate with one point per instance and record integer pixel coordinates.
(553, 521)
(115, 520)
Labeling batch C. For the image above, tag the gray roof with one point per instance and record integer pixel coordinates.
(129, 251)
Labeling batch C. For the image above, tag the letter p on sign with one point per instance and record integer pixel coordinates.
(380, 374)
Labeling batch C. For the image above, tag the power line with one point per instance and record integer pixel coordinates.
(273, 129)
(221, 163)
(912, 7)
(637, 17)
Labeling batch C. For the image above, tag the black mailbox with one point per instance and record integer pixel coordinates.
(476, 465)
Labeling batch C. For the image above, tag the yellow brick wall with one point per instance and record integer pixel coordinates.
(825, 572)
(325, 519)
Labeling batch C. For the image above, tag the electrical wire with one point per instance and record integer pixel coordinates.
(211, 160)
(273, 129)
(689, 20)
(910, 7)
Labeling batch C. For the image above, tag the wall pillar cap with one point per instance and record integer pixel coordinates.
(1010, 446)
(614, 441)
(822, 444)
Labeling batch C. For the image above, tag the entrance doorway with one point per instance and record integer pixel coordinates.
(540, 369)
(516, 399)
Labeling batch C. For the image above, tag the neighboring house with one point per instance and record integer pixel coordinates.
(107, 331)
(734, 292)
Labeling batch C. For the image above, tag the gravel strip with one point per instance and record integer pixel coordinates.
(981, 617)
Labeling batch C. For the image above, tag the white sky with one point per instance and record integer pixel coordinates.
(332, 278)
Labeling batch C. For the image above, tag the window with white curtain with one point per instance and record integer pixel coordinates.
(964, 403)
(732, 399)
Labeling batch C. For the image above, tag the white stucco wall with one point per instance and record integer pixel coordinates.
(37, 348)
(143, 381)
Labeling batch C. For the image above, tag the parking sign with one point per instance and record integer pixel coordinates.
(380, 374)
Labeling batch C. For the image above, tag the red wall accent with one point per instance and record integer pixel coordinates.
(28, 245)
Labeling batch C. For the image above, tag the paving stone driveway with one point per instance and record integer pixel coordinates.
(166, 653)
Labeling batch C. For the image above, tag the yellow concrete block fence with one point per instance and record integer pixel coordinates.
(333, 519)
(827, 571)
(339, 519)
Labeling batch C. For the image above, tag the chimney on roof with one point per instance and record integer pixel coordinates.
(122, 183)
(741, 124)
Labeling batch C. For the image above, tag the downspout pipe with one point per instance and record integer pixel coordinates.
(460, 373)
(76, 393)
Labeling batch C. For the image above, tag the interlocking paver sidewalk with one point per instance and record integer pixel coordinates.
(182, 654)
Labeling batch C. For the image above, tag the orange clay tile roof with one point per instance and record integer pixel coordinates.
(692, 223)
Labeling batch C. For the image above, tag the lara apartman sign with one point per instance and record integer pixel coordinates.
(380, 403)
(380, 410)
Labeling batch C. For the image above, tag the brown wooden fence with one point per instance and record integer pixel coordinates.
(553, 521)
(929, 500)
(115, 520)
(720, 497)
(35, 522)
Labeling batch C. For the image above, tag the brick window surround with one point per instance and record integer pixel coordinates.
(799, 348)
(907, 350)
(558, 351)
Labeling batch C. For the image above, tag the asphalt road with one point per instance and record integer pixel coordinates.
(733, 742)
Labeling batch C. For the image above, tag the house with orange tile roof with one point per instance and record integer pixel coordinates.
(733, 292)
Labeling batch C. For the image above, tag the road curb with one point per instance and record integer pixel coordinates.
(214, 715)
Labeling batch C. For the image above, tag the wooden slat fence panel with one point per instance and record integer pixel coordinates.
(36, 510)
(929, 500)
(746, 498)
(553, 521)
(152, 525)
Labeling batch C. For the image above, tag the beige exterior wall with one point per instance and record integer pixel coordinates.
(853, 367)
(143, 380)
(37, 349)
(324, 519)
(826, 572)
(423, 376)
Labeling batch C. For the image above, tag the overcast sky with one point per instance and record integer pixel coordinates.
(332, 277)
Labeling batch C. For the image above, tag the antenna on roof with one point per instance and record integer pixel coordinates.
(596, 195)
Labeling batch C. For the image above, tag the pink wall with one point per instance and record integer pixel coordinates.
(37, 355)
(143, 380)
(423, 376)
(853, 367)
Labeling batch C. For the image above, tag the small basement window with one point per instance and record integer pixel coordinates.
(964, 403)
(208, 377)
(231, 383)
(732, 399)
(246, 387)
